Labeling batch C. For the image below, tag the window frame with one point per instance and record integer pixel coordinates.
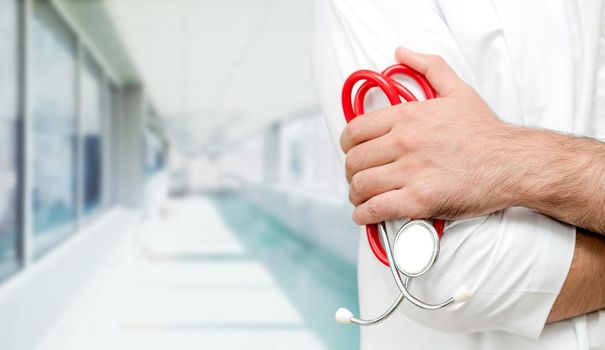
(86, 60)
(16, 123)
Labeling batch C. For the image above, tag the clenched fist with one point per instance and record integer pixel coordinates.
(448, 157)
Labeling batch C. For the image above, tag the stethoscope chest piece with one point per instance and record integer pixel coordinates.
(416, 248)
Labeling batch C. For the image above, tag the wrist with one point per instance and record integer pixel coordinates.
(558, 175)
(520, 163)
(541, 159)
(551, 166)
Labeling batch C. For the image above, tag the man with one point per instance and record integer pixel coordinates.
(505, 71)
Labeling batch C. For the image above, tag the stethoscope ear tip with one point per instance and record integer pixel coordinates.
(462, 294)
(343, 316)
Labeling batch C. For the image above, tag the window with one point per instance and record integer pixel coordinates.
(154, 153)
(91, 114)
(154, 148)
(9, 139)
(53, 111)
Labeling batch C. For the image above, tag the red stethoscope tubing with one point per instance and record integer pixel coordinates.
(396, 94)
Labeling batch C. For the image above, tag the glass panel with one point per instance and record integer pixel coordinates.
(91, 109)
(54, 128)
(9, 131)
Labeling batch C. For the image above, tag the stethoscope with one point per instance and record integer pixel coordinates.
(416, 245)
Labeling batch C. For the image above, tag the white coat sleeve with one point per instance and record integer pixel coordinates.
(515, 260)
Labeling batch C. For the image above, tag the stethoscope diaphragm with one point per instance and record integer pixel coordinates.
(416, 248)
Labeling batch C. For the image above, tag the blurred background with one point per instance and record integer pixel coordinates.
(167, 180)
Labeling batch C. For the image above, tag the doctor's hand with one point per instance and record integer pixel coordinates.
(448, 157)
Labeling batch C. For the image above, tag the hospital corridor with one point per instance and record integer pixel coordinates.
(244, 281)
(167, 179)
(302, 174)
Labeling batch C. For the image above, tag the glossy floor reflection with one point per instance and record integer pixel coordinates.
(212, 273)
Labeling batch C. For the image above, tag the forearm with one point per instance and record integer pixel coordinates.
(560, 176)
(584, 289)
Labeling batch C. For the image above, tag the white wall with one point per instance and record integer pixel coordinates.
(308, 159)
(308, 192)
(305, 158)
(244, 160)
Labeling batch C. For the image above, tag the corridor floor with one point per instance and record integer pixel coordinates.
(211, 273)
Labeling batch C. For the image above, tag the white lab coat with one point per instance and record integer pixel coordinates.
(522, 57)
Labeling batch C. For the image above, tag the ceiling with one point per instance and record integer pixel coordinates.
(215, 70)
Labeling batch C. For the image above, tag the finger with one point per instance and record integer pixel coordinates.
(372, 153)
(374, 181)
(366, 127)
(441, 76)
(386, 206)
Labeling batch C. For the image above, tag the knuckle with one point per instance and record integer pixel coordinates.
(412, 108)
(436, 60)
(356, 187)
(425, 197)
(351, 162)
(403, 143)
(412, 115)
(352, 199)
(421, 199)
(358, 217)
(352, 133)
(388, 114)
(406, 110)
(344, 139)
(375, 208)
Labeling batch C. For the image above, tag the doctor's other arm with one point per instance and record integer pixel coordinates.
(476, 166)
(584, 287)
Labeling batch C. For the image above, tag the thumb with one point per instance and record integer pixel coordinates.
(441, 76)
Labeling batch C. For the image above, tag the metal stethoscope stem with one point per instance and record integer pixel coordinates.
(362, 322)
(345, 316)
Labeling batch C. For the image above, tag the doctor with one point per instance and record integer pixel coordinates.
(506, 71)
